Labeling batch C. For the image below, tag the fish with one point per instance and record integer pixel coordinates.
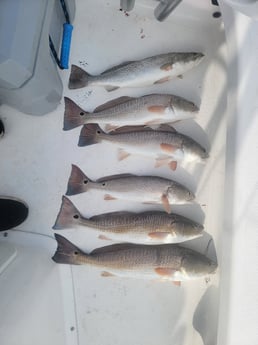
(123, 111)
(165, 145)
(144, 189)
(152, 70)
(151, 227)
(170, 262)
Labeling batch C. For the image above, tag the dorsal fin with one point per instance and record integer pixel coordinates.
(114, 68)
(110, 214)
(166, 128)
(112, 103)
(114, 248)
(113, 177)
(127, 129)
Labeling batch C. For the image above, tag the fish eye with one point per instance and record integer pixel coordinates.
(81, 113)
(85, 181)
(98, 131)
(76, 253)
(76, 216)
(103, 184)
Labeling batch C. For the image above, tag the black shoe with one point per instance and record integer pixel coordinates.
(1, 129)
(12, 212)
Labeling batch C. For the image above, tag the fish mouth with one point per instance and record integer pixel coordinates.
(190, 196)
(198, 56)
(213, 267)
(205, 155)
(194, 108)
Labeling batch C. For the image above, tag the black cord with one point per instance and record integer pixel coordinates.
(51, 44)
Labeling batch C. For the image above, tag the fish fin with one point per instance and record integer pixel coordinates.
(66, 252)
(67, 216)
(157, 109)
(109, 197)
(73, 115)
(107, 274)
(104, 215)
(166, 128)
(162, 80)
(122, 154)
(160, 162)
(114, 68)
(158, 235)
(168, 148)
(111, 88)
(90, 135)
(129, 129)
(153, 124)
(173, 165)
(114, 248)
(78, 78)
(113, 177)
(165, 202)
(103, 237)
(180, 76)
(112, 103)
(176, 283)
(165, 272)
(78, 181)
(166, 67)
(110, 128)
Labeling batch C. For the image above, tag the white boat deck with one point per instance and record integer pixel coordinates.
(45, 303)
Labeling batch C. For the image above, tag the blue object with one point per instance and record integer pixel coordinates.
(63, 62)
(66, 44)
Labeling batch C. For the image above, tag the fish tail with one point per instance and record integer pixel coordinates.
(68, 215)
(90, 135)
(78, 78)
(73, 115)
(66, 252)
(78, 182)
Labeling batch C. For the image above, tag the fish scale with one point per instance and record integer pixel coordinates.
(148, 71)
(162, 143)
(147, 227)
(168, 261)
(148, 109)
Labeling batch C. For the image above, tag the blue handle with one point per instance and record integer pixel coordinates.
(66, 44)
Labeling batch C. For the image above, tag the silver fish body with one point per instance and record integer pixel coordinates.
(144, 189)
(165, 262)
(164, 145)
(151, 227)
(125, 111)
(151, 70)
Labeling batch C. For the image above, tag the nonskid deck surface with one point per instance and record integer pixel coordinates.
(38, 157)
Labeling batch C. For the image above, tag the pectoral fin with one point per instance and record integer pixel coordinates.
(158, 235)
(122, 154)
(173, 165)
(165, 203)
(165, 272)
(109, 197)
(168, 148)
(162, 80)
(177, 283)
(111, 88)
(107, 274)
(160, 162)
(160, 109)
(166, 67)
(103, 237)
